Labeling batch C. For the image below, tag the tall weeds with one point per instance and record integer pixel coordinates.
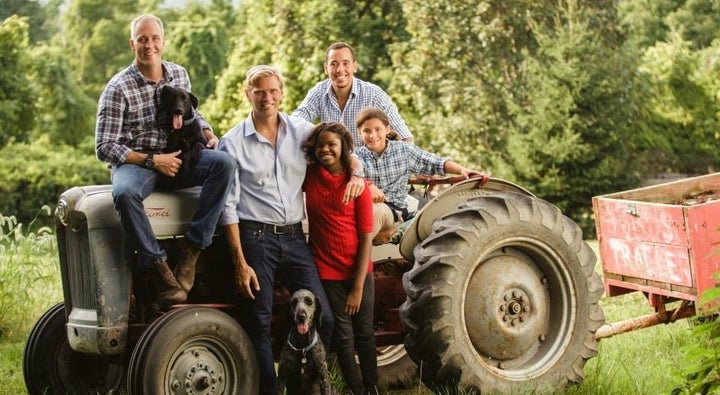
(701, 367)
(29, 274)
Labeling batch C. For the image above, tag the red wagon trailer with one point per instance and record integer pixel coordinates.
(662, 240)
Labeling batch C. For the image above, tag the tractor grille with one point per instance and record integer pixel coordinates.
(77, 266)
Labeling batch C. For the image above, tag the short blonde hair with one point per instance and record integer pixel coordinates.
(135, 22)
(261, 71)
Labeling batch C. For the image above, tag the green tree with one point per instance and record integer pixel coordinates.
(198, 37)
(683, 105)
(36, 173)
(451, 76)
(534, 94)
(96, 33)
(697, 21)
(573, 123)
(293, 36)
(646, 21)
(17, 96)
(39, 17)
(63, 110)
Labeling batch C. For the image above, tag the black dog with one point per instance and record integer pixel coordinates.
(303, 368)
(176, 116)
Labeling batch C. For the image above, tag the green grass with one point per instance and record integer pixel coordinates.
(639, 362)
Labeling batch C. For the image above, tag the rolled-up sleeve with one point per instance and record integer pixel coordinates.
(108, 129)
(229, 215)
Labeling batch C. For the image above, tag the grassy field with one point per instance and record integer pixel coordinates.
(640, 362)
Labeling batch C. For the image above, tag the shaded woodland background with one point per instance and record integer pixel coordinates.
(570, 99)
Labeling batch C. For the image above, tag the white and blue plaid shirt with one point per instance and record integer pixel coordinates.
(321, 102)
(391, 170)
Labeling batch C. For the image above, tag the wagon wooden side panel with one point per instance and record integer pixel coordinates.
(663, 239)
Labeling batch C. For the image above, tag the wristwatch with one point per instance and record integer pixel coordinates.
(359, 173)
(149, 163)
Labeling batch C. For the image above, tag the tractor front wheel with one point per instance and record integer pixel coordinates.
(50, 366)
(194, 350)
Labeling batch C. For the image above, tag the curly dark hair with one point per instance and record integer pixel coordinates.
(332, 127)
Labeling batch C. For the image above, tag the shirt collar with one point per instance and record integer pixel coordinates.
(141, 78)
(249, 125)
(353, 90)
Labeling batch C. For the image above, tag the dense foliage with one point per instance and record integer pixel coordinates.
(569, 99)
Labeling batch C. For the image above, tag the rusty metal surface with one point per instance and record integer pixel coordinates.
(659, 239)
(685, 310)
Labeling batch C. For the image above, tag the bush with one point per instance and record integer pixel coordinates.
(29, 274)
(35, 174)
(701, 367)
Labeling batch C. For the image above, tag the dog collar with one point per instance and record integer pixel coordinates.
(189, 120)
(312, 344)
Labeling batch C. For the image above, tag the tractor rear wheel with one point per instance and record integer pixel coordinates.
(503, 297)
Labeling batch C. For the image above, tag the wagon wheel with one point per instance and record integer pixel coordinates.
(503, 297)
(50, 366)
(193, 350)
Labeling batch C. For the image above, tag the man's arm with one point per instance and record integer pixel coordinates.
(356, 185)
(309, 109)
(245, 276)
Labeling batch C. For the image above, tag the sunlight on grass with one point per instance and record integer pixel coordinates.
(638, 362)
(29, 276)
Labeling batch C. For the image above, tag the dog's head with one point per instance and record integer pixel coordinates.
(176, 106)
(305, 311)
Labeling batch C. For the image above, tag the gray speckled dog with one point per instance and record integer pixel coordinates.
(303, 368)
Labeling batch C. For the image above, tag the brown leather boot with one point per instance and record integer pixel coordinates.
(169, 291)
(185, 268)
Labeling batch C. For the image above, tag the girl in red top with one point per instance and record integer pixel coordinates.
(340, 240)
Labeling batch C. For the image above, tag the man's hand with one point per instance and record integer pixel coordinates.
(377, 195)
(212, 141)
(246, 280)
(354, 188)
(167, 164)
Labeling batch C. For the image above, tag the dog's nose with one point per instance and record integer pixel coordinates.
(302, 316)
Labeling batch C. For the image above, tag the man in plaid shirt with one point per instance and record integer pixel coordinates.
(342, 96)
(128, 138)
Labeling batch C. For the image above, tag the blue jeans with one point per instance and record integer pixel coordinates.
(132, 184)
(354, 333)
(288, 258)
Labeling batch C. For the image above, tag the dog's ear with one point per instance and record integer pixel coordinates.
(318, 312)
(165, 93)
(193, 100)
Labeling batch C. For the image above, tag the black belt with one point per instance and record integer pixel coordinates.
(272, 228)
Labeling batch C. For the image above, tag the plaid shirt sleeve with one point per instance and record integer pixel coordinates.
(423, 162)
(309, 109)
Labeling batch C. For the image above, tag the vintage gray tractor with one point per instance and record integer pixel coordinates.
(490, 289)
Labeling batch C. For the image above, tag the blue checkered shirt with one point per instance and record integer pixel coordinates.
(391, 170)
(126, 118)
(321, 102)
